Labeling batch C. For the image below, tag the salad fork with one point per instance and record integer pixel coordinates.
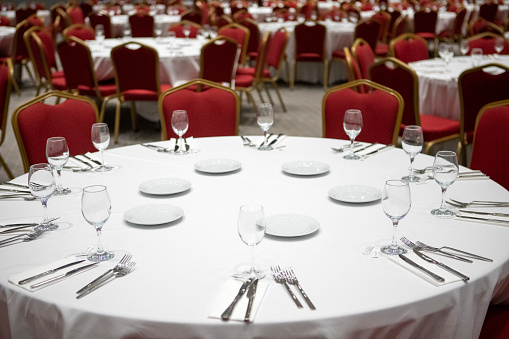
(431, 249)
(118, 274)
(292, 279)
(280, 279)
(122, 264)
(440, 249)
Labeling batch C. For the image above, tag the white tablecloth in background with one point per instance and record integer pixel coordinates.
(162, 21)
(182, 267)
(438, 90)
(6, 38)
(42, 13)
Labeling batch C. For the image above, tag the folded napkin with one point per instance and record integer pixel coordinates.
(449, 277)
(228, 293)
(30, 273)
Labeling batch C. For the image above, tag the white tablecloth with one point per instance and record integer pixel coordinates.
(438, 89)
(162, 21)
(42, 13)
(183, 266)
(6, 38)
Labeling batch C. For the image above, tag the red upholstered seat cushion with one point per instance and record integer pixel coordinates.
(105, 88)
(382, 49)
(251, 71)
(434, 127)
(243, 80)
(143, 94)
(339, 53)
(59, 83)
(309, 57)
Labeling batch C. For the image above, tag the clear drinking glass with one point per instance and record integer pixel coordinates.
(213, 32)
(127, 33)
(186, 29)
(251, 227)
(445, 172)
(101, 140)
(171, 39)
(396, 202)
(265, 119)
(57, 153)
(499, 45)
(99, 34)
(412, 142)
(464, 47)
(476, 55)
(96, 209)
(445, 51)
(42, 185)
(352, 123)
(180, 124)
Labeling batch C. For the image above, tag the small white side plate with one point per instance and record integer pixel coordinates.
(217, 165)
(164, 186)
(302, 167)
(290, 225)
(355, 193)
(153, 214)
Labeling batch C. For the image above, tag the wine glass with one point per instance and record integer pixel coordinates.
(127, 33)
(99, 34)
(101, 140)
(171, 39)
(352, 123)
(412, 142)
(213, 32)
(251, 227)
(476, 56)
(464, 47)
(96, 209)
(42, 185)
(499, 45)
(158, 31)
(180, 124)
(445, 172)
(57, 153)
(396, 202)
(446, 53)
(186, 29)
(265, 119)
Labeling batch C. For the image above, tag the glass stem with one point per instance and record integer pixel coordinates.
(394, 244)
(411, 167)
(352, 140)
(264, 137)
(180, 142)
(59, 179)
(45, 210)
(442, 206)
(99, 242)
(102, 158)
(252, 269)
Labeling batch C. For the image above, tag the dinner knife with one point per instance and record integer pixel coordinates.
(15, 185)
(495, 214)
(93, 160)
(483, 219)
(32, 278)
(422, 269)
(81, 161)
(365, 147)
(61, 276)
(275, 140)
(251, 293)
(378, 150)
(13, 227)
(228, 312)
(15, 191)
(441, 265)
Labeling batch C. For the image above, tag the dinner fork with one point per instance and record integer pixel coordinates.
(344, 147)
(122, 264)
(292, 279)
(28, 237)
(430, 249)
(118, 274)
(440, 249)
(280, 279)
(478, 203)
(156, 148)
(14, 196)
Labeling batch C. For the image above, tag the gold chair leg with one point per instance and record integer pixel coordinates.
(28, 71)
(250, 97)
(279, 95)
(268, 94)
(117, 119)
(7, 170)
(134, 116)
(292, 75)
(260, 94)
(325, 74)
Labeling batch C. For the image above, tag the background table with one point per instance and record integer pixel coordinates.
(182, 266)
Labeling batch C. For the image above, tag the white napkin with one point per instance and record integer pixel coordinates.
(30, 273)
(449, 277)
(228, 293)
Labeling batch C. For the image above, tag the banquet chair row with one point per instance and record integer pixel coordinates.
(486, 41)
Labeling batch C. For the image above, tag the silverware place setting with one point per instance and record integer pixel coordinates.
(345, 147)
(432, 249)
(461, 176)
(242, 290)
(441, 265)
(23, 237)
(287, 276)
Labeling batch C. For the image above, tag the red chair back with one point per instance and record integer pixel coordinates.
(237, 33)
(481, 25)
(36, 121)
(364, 56)
(213, 110)
(178, 28)
(79, 31)
(385, 19)
(23, 13)
(489, 151)
(310, 41)
(101, 18)
(353, 70)
(86, 8)
(486, 42)
(307, 9)
(399, 26)
(193, 16)
(458, 21)
(368, 30)
(395, 15)
(5, 94)
(425, 21)
(276, 51)
(409, 48)
(19, 49)
(254, 36)
(77, 63)
(41, 51)
(76, 14)
(488, 11)
(218, 60)
(4, 21)
(142, 25)
(381, 112)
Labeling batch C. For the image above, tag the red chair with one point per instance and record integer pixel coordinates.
(481, 25)
(238, 33)
(142, 25)
(140, 83)
(395, 15)
(363, 54)
(381, 109)
(310, 47)
(213, 110)
(397, 75)
(489, 149)
(220, 21)
(35, 121)
(488, 11)
(385, 20)
(352, 68)
(79, 31)
(456, 32)
(178, 28)
(23, 12)
(6, 81)
(193, 16)
(254, 38)
(87, 7)
(399, 26)
(477, 87)
(101, 18)
(4, 21)
(307, 9)
(76, 14)
(425, 23)
(42, 54)
(275, 56)
(218, 60)
(486, 42)
(19, 48)
(409, 48)
(241, 15)
(365, 29)
(78, 66)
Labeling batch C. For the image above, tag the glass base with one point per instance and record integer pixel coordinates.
(445, 213)
(46, 227)
(248, 273)
(393, 250)
(412, 178)
(103, 168)
(101, 256)
(351, 157)
(62, 191)
(265, 148)
(179, 152)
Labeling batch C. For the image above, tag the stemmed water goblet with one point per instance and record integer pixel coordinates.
(476, 55)
(412, 142)
(251, 228)
(445, 172)
(180, 124)
(127, 33)
(96, 209)
(464, 47)
(42, 185)
(445, 51)
(396, 202)
(186, 29)
(57, 153)
(101, 140)
(99, 34)
(265, 119)
(352, 124)
(499, 45)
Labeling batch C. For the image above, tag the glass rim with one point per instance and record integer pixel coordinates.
(41, 165)
(55, 138)
(413, 127)
(396, 182)
(353, 110)
(251, 207)
(179, 111)
(99, 124)
(445, 152)
(94, 188)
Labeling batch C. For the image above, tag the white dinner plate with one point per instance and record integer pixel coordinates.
(155, 214)
(217, 165)
(355, 193)
(302, 167)
(290, 225)
(164, 186)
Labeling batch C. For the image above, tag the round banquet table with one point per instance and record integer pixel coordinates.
(182, 266)
(162, 21)
(438, 88)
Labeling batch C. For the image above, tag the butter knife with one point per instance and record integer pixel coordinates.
(61, 276)
(483, 219)
(495, 214)
(228, 312)
(441, 265)
(378, 150)
(251, 293)
(422, 269)
(365, 147)
(27, 280)
(92, 160)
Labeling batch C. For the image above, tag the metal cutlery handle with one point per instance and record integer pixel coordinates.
(308, 301)
(228, 312)
(12, 238)
(422, 269)
(43, 274)
(94, 282)
(248, 310)
(469, 254)
(453, 271)
(95, 287)
(45, 282)
(450, 255)
(294, 297)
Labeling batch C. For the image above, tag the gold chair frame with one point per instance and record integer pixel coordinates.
(5, 109)
(274, 78)
(243, 49)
